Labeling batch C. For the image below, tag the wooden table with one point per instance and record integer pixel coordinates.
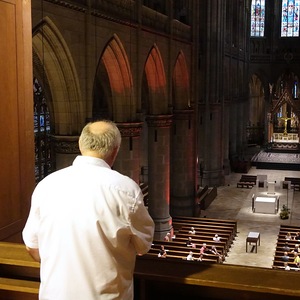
(253, 237)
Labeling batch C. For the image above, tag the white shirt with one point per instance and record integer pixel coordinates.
(89, 222)
(190, 257)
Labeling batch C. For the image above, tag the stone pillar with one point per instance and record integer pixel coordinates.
(183, 164)
(213, 174)
(240, 114)
(233, 131)
(226, 133)
(128, 159)
(159, 172)
(66, 149)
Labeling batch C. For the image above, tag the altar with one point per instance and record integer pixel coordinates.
(285, 138)
(284, 142)
(266, 205)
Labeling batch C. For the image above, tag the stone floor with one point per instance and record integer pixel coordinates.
(235, 203)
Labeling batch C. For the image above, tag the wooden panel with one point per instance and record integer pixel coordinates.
(9, 146)
(16, 115)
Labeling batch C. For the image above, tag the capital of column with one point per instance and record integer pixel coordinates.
(183, 114)
(159, 120)
(65, 144)
(130, 129)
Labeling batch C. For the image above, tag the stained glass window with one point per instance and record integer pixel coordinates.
(295, 90)
(257, 18)
(43, 159)
(290, 18)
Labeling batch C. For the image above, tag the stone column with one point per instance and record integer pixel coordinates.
(183, 164)
(66, 149)
(233, 131)
(213, 174)
(159, 172)
(226, 133)
(128, 159)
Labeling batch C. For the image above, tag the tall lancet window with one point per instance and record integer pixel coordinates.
(295, 90)
(290, 18)
(257, 18)
(43, 158)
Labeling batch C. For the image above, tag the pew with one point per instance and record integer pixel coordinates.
(247, 181)
(204, 236)
(17, 289)
(291, 228)
(182, 254)
(206, 228)
(295, 182)
(19, 273)
(181, 246)
(206, 196)
(281, 241)
(224, 222)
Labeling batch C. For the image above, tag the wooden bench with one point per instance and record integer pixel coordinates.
(209, 228)
(199, 240)
(184, 253)
(181, 245)
(206, 236)
(223, 235)
(282, 267)
(295, 182)
(206, 196)
(213, 226)
(19, 273)
(209, 242)
(182, 256)
(247, 181)
(287, 228)
(193, 220)
(17, 289)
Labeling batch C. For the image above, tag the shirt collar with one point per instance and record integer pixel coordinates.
(89, 160)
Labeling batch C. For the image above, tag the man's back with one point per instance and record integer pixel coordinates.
(92, 223)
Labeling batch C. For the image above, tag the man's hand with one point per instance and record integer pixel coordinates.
(34, 253)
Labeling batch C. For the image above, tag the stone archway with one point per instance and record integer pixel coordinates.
(51, 49)
(114, 78)
(55, 68)
(183, 160)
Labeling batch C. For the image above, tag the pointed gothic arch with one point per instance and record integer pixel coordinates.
(113, 86)
(60, 78)
(181, 85)
(155, 80)
(285, 107)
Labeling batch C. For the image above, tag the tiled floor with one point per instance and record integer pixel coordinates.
(235, 203)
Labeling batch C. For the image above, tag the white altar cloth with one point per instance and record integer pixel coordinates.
(266, 205)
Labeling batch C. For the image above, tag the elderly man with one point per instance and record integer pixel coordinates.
(87, 223)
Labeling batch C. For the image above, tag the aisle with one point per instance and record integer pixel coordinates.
(235, 203)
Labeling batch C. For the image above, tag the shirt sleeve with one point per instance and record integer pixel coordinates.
(30, 231)
(142, 226)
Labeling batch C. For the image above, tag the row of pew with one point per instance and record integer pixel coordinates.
(247, 181)
(295, 182)
(278, 263)
(205, 231)
(19, 273)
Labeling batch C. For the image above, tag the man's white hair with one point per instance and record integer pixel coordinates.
(102, 139)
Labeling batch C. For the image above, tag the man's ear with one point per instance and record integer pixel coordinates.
(112, 157)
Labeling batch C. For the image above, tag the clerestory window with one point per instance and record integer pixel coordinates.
(290, 18)
(257, 18)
